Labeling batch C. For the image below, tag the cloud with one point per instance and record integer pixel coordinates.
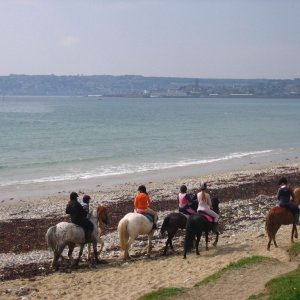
(70, 41)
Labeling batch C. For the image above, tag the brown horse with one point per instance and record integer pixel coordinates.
(278, 216)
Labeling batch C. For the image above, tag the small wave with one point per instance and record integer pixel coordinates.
(131, 169)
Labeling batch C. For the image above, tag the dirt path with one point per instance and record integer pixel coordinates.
(240, 284)
(119, 280)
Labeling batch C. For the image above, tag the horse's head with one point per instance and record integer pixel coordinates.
(102, 214)
(297, 196)
(215, 204)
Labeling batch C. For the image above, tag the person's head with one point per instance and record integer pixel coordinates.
(203, 186)
(86, 199)
(282, 181)
(73, 196)
(183, 189)
(142, 189)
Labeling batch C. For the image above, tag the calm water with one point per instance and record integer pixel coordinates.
(64, 138)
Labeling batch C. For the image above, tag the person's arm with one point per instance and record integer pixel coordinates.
(278, 194)
(81, 210)
(135, 202)
(189, 199)
(68, 210)
(209, 201)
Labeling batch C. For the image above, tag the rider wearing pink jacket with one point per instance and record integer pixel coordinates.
(185, 202)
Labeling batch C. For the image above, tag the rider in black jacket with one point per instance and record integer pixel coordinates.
(78, 216)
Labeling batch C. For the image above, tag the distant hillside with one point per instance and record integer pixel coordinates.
(129, 85)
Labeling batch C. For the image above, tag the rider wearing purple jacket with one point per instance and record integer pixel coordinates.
(284, 195)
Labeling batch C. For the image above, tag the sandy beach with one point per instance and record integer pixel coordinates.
(246, 195)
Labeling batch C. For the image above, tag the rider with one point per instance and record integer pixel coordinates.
(185, 202)
(78, 216)
(142, 204)
(284, 195)
(85, 203)
(205, 205)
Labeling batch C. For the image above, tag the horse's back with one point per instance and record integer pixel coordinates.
(69, 232)
(177, 218)
(197, 223)
(279, 215)
(137, 224)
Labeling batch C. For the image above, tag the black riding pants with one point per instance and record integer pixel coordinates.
(291, 207)
(86, 224)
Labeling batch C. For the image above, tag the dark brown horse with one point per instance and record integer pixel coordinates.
(176, 220)
(278, 216)
(195, 226)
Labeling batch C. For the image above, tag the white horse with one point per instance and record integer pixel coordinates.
(130, 227)
(64, 233)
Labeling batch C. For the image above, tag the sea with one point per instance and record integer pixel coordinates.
(56, 139)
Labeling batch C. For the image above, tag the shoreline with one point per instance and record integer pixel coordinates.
(29, 192)
(238, 184)
(246, 195)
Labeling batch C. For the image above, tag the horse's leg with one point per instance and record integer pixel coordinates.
(95, 252)
(216, 240)
(172, 234)
(101, 242)
(166, 246)
(126, 250)
(57, 255)
(89, 256)
(206, 240)
(79, 255)
(197, 242)
(150, 235)
(70, 252)
(169, 241)
(271, 234)
(274, 237)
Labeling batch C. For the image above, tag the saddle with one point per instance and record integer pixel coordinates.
(148, 216)
(207, 216)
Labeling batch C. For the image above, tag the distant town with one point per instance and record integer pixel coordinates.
(148, 87)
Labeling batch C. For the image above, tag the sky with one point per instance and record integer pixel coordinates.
(171, 38)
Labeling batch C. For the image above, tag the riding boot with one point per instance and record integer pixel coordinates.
(215, 227)
(296, 219)
(154, 226)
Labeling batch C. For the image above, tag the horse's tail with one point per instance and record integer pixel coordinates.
(123, 233)
(51, 238)
(189, 236)
(164, 225)
(271, 225)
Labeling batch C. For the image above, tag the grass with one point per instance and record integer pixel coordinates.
(284, 287)
(295, 249)
(232, 266)
(169, 292)
(163, 294)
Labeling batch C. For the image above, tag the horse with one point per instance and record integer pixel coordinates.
(64, 233)
(130, 227)
(177, 220)
(102, 216)
(278, 216)
(196, 224)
